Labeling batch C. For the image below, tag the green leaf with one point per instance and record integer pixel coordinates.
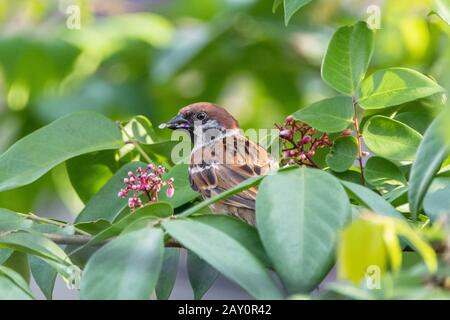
(34, 155)
(88, 173)
(418, 121)
(183, 191)
(347, 58)
(244, 185)
(292, 209)
(156, 210)
(10, 220)
(394, 86)
(430, 155)
(361, 246)
(291, 7)
(225, 254)
(201, 275)
(141, 129)
(328, 115)
(391, 139)
(13, 286)
(371, 200)
(242, 232)
(397, 196)
(126, 268)
(44, 275)
(168, 273)
(276, 4)
(379, 171)
(106, 205)
(437, 200)
(160, 152)
(5, 254)
(351, 175)
(343, 153)
(35, 244)
(18, 261)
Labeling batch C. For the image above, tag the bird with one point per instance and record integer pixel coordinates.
(222, 157)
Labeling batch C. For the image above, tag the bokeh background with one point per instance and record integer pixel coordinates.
(152, 57)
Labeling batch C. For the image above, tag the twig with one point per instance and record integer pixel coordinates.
(34, 217)
(358, 137)
(312, 161)
(80, 240)
(135, 143)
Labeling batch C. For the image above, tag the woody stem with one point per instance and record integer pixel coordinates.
(80, 240)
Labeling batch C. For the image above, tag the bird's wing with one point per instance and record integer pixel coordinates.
(224, 164)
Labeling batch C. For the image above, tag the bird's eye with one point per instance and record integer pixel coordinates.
(201, 115)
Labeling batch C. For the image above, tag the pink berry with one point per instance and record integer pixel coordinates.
(170, 191)
(306, 139)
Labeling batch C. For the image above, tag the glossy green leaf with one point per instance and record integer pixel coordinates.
(126, 268)
(343, 153)
(328, 115)
(34, 155)
(291, 7)
(106, 204)
(397, 196)
(379, 171)
(371, 200)
(13, 286)
(431, 154)
(140, 128)
(44, 275)
(347, 58)
(394, 86)
(436, 202)
(225, 254)
(18, 261)
(351, 175)
(9, 220)
(242, 232)
(160, 152)
(311, 202)
(88, 173)
(201, 275)
(168, 273)
(33, 243)
(391, 139)
(183, 191)
(418, 121)
(244, 185)
(5, 254)
(276, 4)
(156, 210)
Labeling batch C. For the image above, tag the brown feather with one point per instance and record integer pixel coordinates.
(224, 164)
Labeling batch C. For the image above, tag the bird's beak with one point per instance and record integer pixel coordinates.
(178, 122)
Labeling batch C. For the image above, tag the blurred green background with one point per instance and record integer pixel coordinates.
(152, 57)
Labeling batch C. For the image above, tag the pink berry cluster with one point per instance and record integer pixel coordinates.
(148, 182)
(300, 142)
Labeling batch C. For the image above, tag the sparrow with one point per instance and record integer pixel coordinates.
(222, 157)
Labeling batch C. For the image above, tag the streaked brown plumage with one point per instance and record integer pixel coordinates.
(223, 160)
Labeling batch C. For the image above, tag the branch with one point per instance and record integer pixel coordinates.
(34, 217)
(358, 137)
(80, 240)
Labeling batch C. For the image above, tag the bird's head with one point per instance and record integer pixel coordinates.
(204, 114)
